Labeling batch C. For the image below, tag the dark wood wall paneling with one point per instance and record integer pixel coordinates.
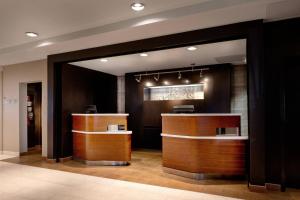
(81, 87)
(145, 116)
(252, 31)
(282, 50)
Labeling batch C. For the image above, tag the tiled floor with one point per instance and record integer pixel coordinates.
(32, 183)
(146, 168)
(4, 157)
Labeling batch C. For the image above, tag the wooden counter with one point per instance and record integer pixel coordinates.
(190, 145)
(94, 145)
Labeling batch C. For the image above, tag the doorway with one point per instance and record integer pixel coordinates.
(30, 118)
(34, 126)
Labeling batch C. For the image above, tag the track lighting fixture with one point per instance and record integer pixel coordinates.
(148, 84)
(138, 79)
(156, 78)
(179, 75)
(156, 75)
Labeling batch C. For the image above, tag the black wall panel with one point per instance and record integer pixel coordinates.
(81, 87)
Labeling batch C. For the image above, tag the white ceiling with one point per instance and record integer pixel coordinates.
(56, 17)
(214, 53)
(78, 24)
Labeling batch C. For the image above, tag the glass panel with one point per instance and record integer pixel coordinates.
(174, 92)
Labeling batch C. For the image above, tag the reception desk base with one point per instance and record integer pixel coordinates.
(205, 155)
(200, 176)
(102, 148)
(192, 148)
(94, 144)
(102, 162)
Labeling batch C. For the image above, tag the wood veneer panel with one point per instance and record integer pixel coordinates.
(205, 156)
(197, 125)
(97, 123)
(79, 146)
(102, 147)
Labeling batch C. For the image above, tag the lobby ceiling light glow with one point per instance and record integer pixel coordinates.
(166, 83)
(137, 6)
(148, 84)
(143, 55)
(31, 34)
(44, 44)
(192, 48)
(103, 60)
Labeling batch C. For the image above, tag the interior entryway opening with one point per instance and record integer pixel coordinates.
(30, 118)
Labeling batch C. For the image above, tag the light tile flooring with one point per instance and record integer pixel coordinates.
(32, 183)
(146, 168)
(4, 157)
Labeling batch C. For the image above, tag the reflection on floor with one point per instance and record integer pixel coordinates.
(146, 168)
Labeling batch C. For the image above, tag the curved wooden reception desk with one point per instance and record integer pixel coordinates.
(192, 148)
(95, 145)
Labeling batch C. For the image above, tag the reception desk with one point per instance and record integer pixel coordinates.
(192, 148)
(94, 144)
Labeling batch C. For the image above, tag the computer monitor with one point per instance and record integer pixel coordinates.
(91, 109)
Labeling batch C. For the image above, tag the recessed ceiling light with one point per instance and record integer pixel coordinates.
(103, 60)
(31, 34)
(192, 48)
(143, 54)
(137, 6)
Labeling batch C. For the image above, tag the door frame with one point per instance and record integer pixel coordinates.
(252, 31)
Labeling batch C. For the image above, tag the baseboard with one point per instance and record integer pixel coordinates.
(65, 159)
(257, 188)
(11, 153)
(273, 186)
(265, 188)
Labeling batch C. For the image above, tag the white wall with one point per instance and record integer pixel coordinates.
(1, 135)
(23, 117)
(13, 75)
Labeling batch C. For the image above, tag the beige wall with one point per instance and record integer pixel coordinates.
(13, 75)
(1, 135)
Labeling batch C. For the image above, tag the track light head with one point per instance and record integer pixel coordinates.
(138, 79)
(156, 78)
(201, 73)
(179, 75)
